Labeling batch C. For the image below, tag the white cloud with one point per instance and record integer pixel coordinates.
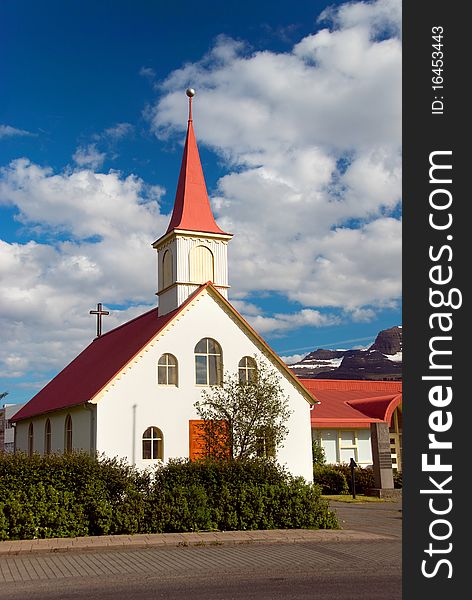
(379, 17)
(103, 147)
(246, 308)
(361, 315)
(9, 131)
(281, 322)
(311, 139)
(148, 72)
(294, 358)
(82, 203)
(118, 131)
(49, 288)
(355, 267)
(89, 156)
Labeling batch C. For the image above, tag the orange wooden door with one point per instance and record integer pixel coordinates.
(201, 447)
(196, 440)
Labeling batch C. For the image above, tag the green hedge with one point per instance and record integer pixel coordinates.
(336, 479)
(364, 477)
(76, 495)
(225, 495)
(398, 480)
(330, 479)
(71, 495)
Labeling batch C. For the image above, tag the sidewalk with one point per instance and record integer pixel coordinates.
(361, 522)
(382, 518)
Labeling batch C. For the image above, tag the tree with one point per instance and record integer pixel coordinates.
(3, 394)
(318, 453)
(244, 418)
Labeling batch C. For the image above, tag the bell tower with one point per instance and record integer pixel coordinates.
(193, 250)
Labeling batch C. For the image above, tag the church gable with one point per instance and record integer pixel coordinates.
(154, 395)
(207, 315)
(91, 374)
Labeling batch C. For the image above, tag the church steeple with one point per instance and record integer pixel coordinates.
(192, 210)
(194, 248)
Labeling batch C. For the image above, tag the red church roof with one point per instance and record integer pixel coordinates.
(95, 366)
(103, 359)
(192, 210)
(352, 403)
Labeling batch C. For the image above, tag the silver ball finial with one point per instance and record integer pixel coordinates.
(190, 92)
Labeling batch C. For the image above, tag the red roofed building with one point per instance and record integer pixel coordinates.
(341, 422)
(131, 392)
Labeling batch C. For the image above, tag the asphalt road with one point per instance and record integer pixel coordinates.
(325, 570)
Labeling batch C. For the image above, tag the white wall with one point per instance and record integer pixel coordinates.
(81, 431)
(135, 401)
(10, 411)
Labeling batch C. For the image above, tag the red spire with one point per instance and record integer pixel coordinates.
(192, 209)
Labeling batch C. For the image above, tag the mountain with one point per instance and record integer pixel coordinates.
(382, 360)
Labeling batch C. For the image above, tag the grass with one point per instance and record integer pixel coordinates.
(359, 499)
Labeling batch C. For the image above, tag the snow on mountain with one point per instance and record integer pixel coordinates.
(382, 360)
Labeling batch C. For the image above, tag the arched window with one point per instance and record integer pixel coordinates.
(153, 444)
(167, 270)
(265, 443)
(68, 434)
(167, 370)
(208, 362)
(247, 369)
(47, 437)
(201, 265)
(30, 440)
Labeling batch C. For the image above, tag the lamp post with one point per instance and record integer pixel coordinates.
(353, 465)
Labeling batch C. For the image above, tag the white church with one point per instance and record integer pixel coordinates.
(130, 394)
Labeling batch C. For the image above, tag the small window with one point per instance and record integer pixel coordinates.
(329, 442)
(347, 445)
(167, 271)
(30, 440)
(153, 444)
(247, 369)
(47, 437)
(201, 265)
(208, 362)
(167, 371)
(265, 444)
(68, 434)
(347, 439)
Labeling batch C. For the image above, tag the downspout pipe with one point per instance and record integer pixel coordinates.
(93, 427)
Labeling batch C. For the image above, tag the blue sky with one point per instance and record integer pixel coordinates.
(298, 120)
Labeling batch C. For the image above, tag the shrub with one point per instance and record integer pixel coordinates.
(330, 479)
(75, 495)
(318, 453)
(68, 495)
(397, 480)
(364, 477)
(242, 494)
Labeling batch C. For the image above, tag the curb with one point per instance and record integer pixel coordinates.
(183, 540)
